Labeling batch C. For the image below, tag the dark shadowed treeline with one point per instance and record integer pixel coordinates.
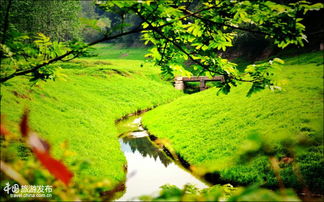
(57, 19)
(253, 46)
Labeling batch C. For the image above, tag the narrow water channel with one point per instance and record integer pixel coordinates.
(148, 167)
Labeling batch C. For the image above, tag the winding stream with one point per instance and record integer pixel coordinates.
(148, 167)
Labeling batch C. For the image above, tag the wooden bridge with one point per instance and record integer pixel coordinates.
(180, 81)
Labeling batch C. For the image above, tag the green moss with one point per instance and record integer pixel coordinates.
(208, 130)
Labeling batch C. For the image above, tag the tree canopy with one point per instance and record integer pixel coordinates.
(187, 37)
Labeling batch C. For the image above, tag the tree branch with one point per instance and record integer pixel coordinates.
(163, 53)
(35, 68)
(136, 30)
(222, 24)
(156, 29)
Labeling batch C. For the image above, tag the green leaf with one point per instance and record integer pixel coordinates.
(256, 87)
(278, 60)
(225, 89)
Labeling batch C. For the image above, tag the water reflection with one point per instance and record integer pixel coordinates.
(144, 146)
(148, 167)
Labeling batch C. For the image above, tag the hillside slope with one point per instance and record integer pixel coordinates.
(81, 109)
(208, 130)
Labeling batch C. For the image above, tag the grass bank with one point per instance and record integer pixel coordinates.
(209, 130)
(81, 107)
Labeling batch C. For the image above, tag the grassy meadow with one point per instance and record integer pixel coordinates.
(80, 107)
(209, 131)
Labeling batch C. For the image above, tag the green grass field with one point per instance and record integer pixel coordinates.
(81, 108)
(209, 130)
(119, 52)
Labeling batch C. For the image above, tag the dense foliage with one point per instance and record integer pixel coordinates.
(58, 20)
(187, 35)
(34, 34)
(221, 193)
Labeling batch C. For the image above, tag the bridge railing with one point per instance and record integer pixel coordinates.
(180, 81)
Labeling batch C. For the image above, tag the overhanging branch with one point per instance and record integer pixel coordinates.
(222, 24)
(157, 30)
(59, 58)
(35, 68)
